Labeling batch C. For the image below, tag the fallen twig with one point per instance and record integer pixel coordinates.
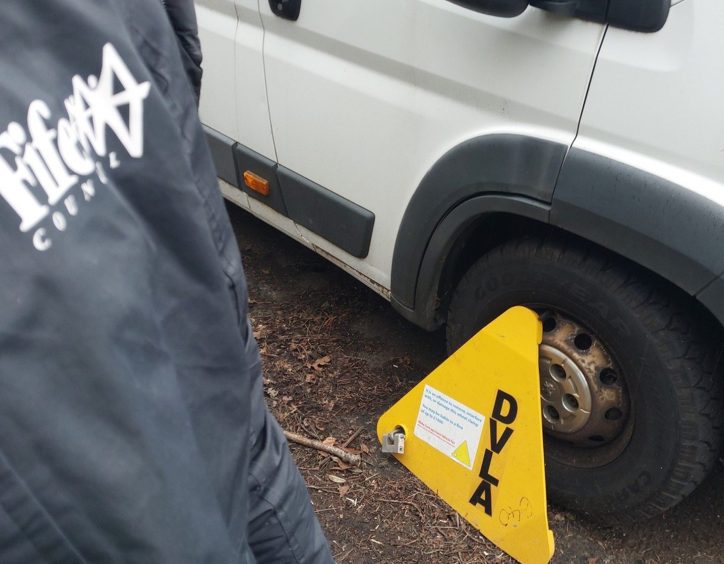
(352, 437)
(344, 556)
(325, 490)
(343, 455)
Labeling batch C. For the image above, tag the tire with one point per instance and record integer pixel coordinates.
(653, 361)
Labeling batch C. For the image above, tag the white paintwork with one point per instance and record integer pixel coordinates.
(233, 96)
(217, 31)
(366, 95)
(252, 110)
(655, 99)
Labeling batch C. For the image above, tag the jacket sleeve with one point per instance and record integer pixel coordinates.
(182, 16)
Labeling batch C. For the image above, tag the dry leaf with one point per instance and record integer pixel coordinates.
(329, 441)
(272, 393)
(365, 448)
(259, 331)
(320, 362)
(310, 378)
(286, 399)
(343, 490)
(342, 466)
(336, 479)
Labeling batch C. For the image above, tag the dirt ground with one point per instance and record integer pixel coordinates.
(336, 356)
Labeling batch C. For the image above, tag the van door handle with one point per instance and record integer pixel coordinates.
(287, 9)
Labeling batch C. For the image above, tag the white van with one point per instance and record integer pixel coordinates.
(461, 157)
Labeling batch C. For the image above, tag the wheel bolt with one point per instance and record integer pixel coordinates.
(583, 341)
(613, 414)
(570, 402)
(608, 376)
(557, 372)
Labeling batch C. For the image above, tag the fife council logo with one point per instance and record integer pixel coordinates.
(43, 161)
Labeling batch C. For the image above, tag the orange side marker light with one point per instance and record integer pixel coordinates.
(257, 183)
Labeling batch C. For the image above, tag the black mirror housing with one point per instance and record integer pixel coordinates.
(641, 15)
(647, 16)
(501, 8)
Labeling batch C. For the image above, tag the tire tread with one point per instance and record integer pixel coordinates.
(687, 342)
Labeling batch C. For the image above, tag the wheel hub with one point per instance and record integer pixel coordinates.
(565, 393)
(583, 395)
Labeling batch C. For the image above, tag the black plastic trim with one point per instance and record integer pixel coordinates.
(287, 9)
(450, 229)
(560, 7)
(640, 15)
(246, 159)
(713, 298)
(221, 148)
(341, 222)
(592, 10)
(660, 225)
(646, 16)
(494, 164)
(500, 8)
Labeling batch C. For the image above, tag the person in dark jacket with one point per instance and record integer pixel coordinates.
(133, 426)
(182, 15)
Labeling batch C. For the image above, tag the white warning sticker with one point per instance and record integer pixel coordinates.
(449, 426)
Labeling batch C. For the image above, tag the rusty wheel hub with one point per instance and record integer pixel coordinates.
(584, 398)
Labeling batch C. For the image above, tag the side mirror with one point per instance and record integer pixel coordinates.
(642, 15)
(502, 8)
(637, 15)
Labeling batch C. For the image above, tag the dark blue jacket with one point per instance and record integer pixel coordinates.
(132, 422)
(182, 15)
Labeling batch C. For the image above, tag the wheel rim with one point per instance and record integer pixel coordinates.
(585, 401)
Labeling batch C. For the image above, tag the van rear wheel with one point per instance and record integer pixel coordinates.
(630, 390)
